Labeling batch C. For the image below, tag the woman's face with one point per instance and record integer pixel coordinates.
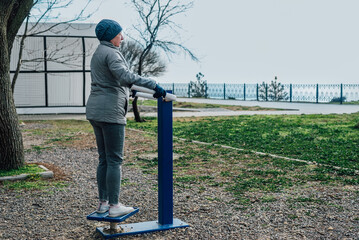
(117, 40)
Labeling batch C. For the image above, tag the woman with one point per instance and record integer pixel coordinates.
(106, 110)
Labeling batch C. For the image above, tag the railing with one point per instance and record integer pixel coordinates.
(315, 93)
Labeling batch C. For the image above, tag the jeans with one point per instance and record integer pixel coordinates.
(110, 139)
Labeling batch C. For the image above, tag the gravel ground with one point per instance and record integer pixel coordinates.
(61, 213)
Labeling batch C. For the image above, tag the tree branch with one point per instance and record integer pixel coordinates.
(18, 65)
(18, 13)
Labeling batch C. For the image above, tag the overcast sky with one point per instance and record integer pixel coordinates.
(251, 41)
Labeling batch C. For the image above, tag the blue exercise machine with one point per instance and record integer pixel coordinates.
(165, 180)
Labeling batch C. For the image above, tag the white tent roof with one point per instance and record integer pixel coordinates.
(72, 29)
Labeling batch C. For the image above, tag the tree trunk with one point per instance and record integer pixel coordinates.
(11, 146)
(12, 14)
(136, 112)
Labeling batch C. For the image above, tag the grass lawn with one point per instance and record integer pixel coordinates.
(33, 182)
(209, 105)
(249, 177)
(328, 139)
(350, 103)
(28, 169)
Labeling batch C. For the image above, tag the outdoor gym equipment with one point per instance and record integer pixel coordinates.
(148, 93)
(165, 179)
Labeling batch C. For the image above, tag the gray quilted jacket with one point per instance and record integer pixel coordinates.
(111, 79)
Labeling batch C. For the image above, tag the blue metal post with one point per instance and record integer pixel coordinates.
(224, 91)
(244, 92)
(165, 163)
(317, 94)
(266, 92)
(290, 92)
(341, 93)
(206, 89)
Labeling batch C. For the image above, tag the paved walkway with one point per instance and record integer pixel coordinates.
(292, 108)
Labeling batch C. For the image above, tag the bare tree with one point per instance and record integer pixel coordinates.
(44, 11)
(152, 65)
(12, 15)
(156, 19)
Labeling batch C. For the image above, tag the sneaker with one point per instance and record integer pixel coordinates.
(103, 207)
(119, 210)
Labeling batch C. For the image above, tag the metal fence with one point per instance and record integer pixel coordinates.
(315, 93)
(56, 73)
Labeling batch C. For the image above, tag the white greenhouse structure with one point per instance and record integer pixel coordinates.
(55, 67)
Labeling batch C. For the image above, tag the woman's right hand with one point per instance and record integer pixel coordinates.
(159, 92)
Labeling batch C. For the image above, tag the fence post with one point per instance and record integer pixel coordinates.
(206, 95)
(266, 92)
(83, 72)
(317, 97)
(224, 91)
(290, 92)
(341, 93)
(244, 91)
(173, 88)
(257, 91)
(45, 69)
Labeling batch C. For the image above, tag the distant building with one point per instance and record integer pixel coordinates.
(64, 78)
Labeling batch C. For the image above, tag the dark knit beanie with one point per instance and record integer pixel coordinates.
(107, 29)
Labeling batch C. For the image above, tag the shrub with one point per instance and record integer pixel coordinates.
(273, 92)
(338, 99)
(199, 87)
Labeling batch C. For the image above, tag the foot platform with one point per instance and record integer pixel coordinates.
(103, 217)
